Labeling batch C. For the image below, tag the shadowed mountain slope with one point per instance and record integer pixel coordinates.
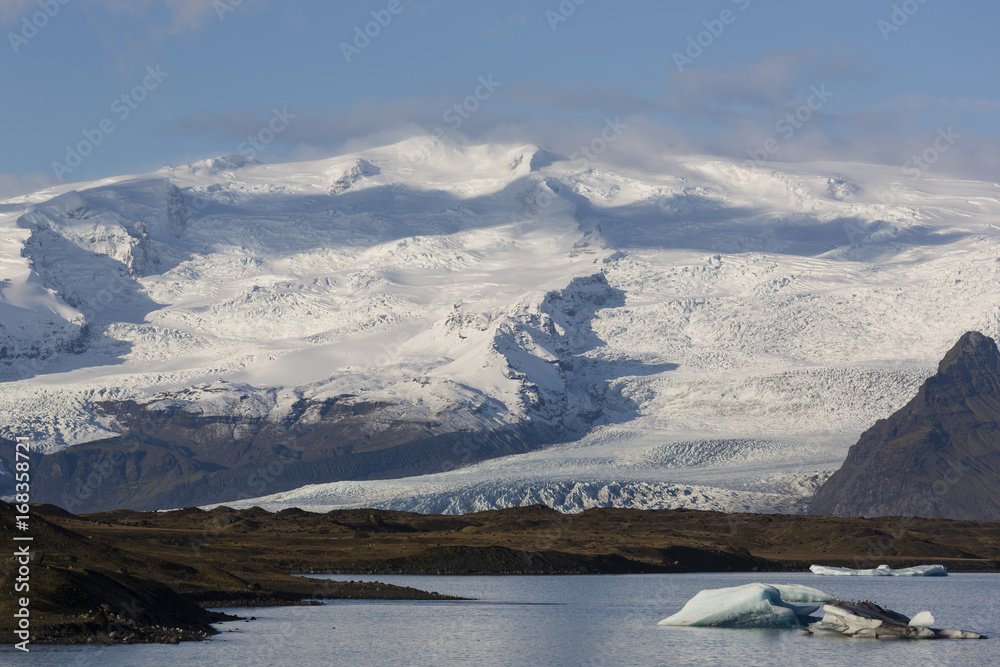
(938, 456)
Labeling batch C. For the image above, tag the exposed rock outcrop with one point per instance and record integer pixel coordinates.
(938, 456)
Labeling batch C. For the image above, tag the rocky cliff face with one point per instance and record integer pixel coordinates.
(938, 456)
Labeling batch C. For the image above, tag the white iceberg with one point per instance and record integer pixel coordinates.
(750, 606)
(882, 571)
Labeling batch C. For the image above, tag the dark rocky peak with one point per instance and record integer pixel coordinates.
(970, 368)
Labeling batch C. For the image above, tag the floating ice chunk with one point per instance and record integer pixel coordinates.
(882, 571)
(788, 606)
(867, 619)
(958, 634)
(750, 606)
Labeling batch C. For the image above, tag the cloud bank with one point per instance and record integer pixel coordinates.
(784, 106)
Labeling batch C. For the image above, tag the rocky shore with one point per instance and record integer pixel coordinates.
(86, 587)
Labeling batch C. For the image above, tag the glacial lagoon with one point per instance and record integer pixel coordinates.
(566, 620)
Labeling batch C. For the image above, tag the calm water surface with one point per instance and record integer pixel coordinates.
(567, 620)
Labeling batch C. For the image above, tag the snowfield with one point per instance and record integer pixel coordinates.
(704, 334)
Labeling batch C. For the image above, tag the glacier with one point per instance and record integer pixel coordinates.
(696, 333)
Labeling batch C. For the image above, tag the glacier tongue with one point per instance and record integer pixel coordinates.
(439, 497)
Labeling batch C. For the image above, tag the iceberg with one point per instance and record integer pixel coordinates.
(882, 571)
(750, 606)
(789, 606)
(867, 619)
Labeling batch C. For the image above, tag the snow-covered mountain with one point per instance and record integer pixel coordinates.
(704, 333)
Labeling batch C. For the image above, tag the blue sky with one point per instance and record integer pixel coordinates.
(869, 80)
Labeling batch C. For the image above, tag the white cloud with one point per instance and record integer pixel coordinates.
(725, 110)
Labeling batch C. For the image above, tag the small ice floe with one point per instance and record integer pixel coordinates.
(867, 619)
(882, 571)
(751, 606)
